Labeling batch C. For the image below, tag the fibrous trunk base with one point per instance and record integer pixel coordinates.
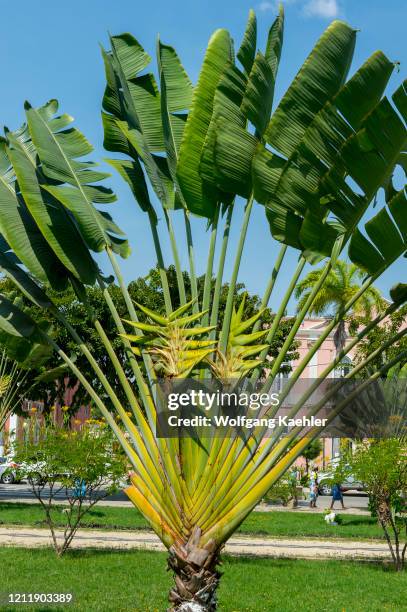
(195, 575)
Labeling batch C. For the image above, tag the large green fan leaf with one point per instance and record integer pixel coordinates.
(319, 79)
(22, 280)
(247, 51)
(59, 152)
(226, 106)
(176, 95)
(387, 234)
(131, 55)
(21, 232)
(132, 172)
(240, 98)
(179, 88)
(296, 184)
(54, 221)
(259, 94)
(275, 41)
(199, 198)
(234, 151)
(16, 322)
(134, 126)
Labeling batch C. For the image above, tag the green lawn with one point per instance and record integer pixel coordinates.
(138, 581)
(282, 524)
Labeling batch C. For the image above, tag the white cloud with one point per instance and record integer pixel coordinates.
(327, 9)
(266, 6)
(273, 5)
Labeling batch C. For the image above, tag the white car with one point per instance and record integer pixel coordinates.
(325, 483)
(7, 470)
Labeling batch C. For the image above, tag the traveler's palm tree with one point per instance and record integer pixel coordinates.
(10, 377)
(21, 360)
(341, 285)
(186, 150)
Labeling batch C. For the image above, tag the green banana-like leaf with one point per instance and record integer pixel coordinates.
(28, 353)
(179, 88)
(51, 217)
(37, 356)
(58, 152)
(146, 98)
(176, 95)
(23, 281)
(132, 172)
(247, 51)
(131, 55)
(334, 50)
(201, 199)
(240, 98)
(54, 374)
(369, 156)
(319, 79)
(134, 126)
(296, 185)
(298, 192)
(226, 108)
(234, 150)
(275, 41)
(21, 232)
(259, 94)
(387, 232)
(15, 322)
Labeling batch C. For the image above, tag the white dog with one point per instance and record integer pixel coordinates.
(330, 518)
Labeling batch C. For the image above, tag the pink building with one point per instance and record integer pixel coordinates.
(309, 332)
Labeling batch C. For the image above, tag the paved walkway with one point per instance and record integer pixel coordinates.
(241, 545)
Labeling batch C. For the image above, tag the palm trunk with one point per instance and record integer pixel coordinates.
(195, 575)
(340, 337)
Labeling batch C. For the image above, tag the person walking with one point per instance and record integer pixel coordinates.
(313, 494)
(337, 495)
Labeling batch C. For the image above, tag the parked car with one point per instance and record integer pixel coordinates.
(8, 470)
(32, 470)
(11, 472)
(325, 483)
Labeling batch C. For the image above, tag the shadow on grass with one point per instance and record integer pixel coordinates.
(84, 553)
(280, 563)
(358, 521)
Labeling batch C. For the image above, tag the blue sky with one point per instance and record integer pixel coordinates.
(50, 50)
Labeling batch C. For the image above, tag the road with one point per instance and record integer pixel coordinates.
(22, 493)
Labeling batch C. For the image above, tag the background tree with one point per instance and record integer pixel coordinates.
(377, 337)
(85, 464)
(311, 452)
(381, 465)
(341, 285)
